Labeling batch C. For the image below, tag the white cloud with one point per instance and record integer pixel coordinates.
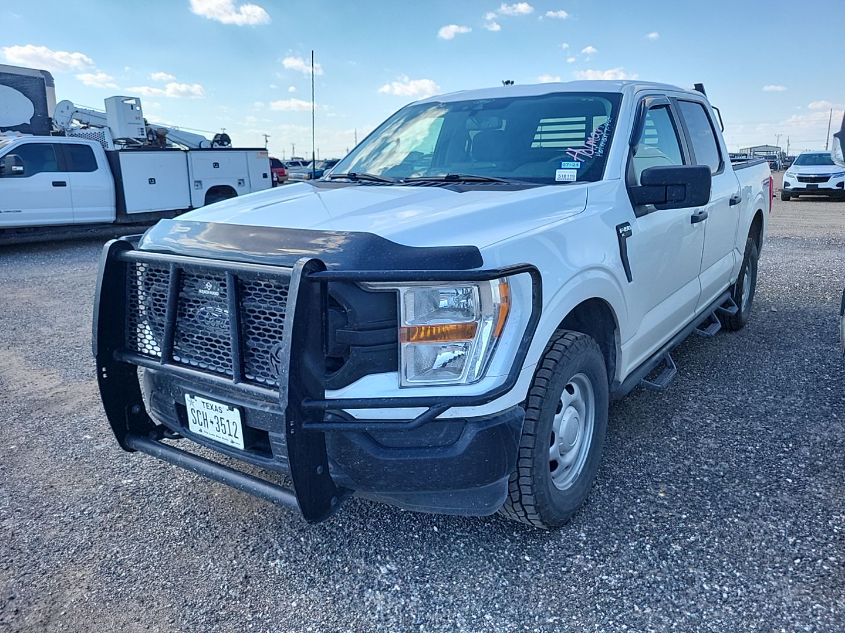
(654, 35)
(292, 62)
(564, 46)
(291, 88)
(162, 76)
(517, 8)
(291, 105)
(824, 104)
(570, 60)
(490, 15)
(548, 79)
(407, 87)
(560, 14)
(589, 50)
(226, 12)
(97, 79)
(493, 26)
(173, 90)
(610, 74)
(449, 31)
(774, 88)
(45, 58)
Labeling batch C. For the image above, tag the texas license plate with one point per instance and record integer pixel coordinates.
(216, 421)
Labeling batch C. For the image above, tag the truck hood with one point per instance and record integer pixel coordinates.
(409, 215)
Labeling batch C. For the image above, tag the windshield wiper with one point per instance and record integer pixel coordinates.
(458, 178)
(361, 176)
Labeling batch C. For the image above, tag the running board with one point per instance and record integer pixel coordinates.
(709, 327)
(668, 370)
(728, 308)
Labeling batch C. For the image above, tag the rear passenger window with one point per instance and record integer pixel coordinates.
(659, 146)
(37, 158)
(702, 136)
(80, 158)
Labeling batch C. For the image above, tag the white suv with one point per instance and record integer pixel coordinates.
(814, 174)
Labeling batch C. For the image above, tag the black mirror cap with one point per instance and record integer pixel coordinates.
(674, 187)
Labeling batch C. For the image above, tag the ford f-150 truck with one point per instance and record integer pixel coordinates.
(441, 322)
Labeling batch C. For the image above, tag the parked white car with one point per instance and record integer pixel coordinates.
(443, 321)
(814, 174)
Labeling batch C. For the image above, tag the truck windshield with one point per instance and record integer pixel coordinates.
(814, 159)
(550, 139)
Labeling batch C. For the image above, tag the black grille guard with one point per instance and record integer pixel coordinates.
(301, 394)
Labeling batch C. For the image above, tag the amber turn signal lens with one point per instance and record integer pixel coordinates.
(441, 333)
(504, 308)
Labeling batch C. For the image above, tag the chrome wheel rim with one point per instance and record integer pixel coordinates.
(746, 288)
(572, 431)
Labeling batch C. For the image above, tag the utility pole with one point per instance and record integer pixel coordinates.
(313, 122)
(777, 140)
(266, 138)
(356, 137)
(827, 138)
(787, 146)
(292, 150)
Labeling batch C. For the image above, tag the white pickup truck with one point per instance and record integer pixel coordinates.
(442, 322)
(62, 181)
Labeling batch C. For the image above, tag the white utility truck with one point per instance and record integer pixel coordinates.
(102, 168)
(442, 321)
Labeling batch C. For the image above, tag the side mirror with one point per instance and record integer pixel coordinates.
(674, 187)
(11, 165)
(839, 145)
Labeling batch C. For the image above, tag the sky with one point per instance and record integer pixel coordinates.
(244, 67)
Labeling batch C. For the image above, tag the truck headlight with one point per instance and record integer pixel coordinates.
(790, 174)
(838, 174)
(447, 332)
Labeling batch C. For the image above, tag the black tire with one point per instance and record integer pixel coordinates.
(784, 196)
(219, 195)
(747, 275)
(533, 496)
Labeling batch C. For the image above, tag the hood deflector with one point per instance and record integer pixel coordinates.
(341, 250)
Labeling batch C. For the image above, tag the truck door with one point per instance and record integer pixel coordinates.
(664, 247)
(91, 184)
(720, 239)
(39, 195)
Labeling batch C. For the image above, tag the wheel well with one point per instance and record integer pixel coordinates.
(756, 232)
(219, 192)
(595, 318)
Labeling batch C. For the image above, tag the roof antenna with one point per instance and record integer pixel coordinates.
(700, 88)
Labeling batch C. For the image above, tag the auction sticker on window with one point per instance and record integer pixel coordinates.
(566, 175)
(219, 422)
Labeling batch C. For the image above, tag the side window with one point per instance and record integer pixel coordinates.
(702, 136)
(660, 145)
(37, 158)
(80, 158)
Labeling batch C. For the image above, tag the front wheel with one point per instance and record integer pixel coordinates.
(743, 291)
(563, 433)
(784, 196)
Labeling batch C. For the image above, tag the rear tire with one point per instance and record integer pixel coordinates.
(744, 288)
(784, 196)
(563, 434)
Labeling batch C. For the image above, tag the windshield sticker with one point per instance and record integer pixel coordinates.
(566, 175)
(570, 164)
(594, 146)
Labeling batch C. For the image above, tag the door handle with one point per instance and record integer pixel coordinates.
(735, 199)
(698, 216)
(59, 183)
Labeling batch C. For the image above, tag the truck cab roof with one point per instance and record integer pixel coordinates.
(533, 90)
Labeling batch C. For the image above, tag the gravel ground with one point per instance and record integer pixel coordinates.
(719, 506)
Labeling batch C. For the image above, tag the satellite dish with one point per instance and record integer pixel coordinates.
(15, 108)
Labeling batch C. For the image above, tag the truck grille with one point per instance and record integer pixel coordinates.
(202, 330)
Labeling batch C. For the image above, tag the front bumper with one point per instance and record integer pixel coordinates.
(451, 466)
(834, 187)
